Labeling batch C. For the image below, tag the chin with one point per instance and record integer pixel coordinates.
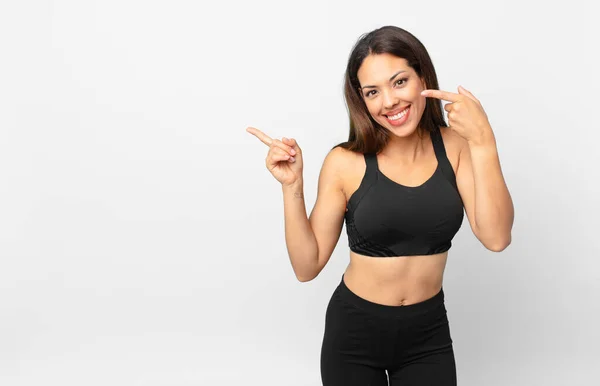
(402, 131)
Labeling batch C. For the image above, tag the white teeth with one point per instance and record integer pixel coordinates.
(398, 116)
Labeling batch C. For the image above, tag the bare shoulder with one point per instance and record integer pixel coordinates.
(337, 162)
(454, 144)
(342, 158)
(347, 166)
(336, 158)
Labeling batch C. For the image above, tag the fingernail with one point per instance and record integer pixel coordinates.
(292, 159)
(293, 152)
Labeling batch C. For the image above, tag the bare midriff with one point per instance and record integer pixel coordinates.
(395, 281)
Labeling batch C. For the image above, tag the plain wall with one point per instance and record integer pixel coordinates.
(141, 236)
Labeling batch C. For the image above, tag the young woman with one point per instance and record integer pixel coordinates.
(401, 183)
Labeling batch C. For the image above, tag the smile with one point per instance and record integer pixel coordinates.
(398, 118)
(399, 115)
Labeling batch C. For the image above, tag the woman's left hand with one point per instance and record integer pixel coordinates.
(465, 114)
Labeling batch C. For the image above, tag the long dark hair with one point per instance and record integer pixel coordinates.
(366, 135)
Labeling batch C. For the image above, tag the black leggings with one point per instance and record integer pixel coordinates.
(364, 340)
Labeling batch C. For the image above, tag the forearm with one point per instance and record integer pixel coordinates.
(494, 212)
(299, 236)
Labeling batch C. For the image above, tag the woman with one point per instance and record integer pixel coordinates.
(402, 183)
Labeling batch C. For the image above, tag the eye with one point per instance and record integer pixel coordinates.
(401, 80)
(368, 94)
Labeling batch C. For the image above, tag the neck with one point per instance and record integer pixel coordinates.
(406, 149)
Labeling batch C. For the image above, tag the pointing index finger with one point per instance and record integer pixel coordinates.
(445, 95)
(260, 135)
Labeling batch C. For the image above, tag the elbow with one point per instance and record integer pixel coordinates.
(305, 278)
(499, 244)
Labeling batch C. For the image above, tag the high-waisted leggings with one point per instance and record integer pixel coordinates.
(366, 343)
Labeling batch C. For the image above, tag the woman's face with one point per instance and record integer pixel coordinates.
(391, 90)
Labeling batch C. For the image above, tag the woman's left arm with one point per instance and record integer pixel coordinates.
(479, 176)
(484, 192)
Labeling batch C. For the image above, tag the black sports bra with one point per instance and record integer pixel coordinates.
(385, 219)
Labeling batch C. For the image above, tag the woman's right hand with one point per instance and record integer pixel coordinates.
(284, 159)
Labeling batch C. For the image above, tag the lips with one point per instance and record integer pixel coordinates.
(399, 118)
(398, 111)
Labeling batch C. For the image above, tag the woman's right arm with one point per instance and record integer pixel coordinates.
(311, 241)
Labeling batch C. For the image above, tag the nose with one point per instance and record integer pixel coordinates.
(389, 100)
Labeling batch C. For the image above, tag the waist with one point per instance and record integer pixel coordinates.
(435, 302)
(395, 281)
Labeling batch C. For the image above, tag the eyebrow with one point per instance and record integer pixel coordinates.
(392, 78)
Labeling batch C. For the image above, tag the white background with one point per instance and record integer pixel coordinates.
(141, 236)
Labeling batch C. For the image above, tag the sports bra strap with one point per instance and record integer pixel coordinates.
(369, 178)
(442, 158)
(371, 161)
(371, 171)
